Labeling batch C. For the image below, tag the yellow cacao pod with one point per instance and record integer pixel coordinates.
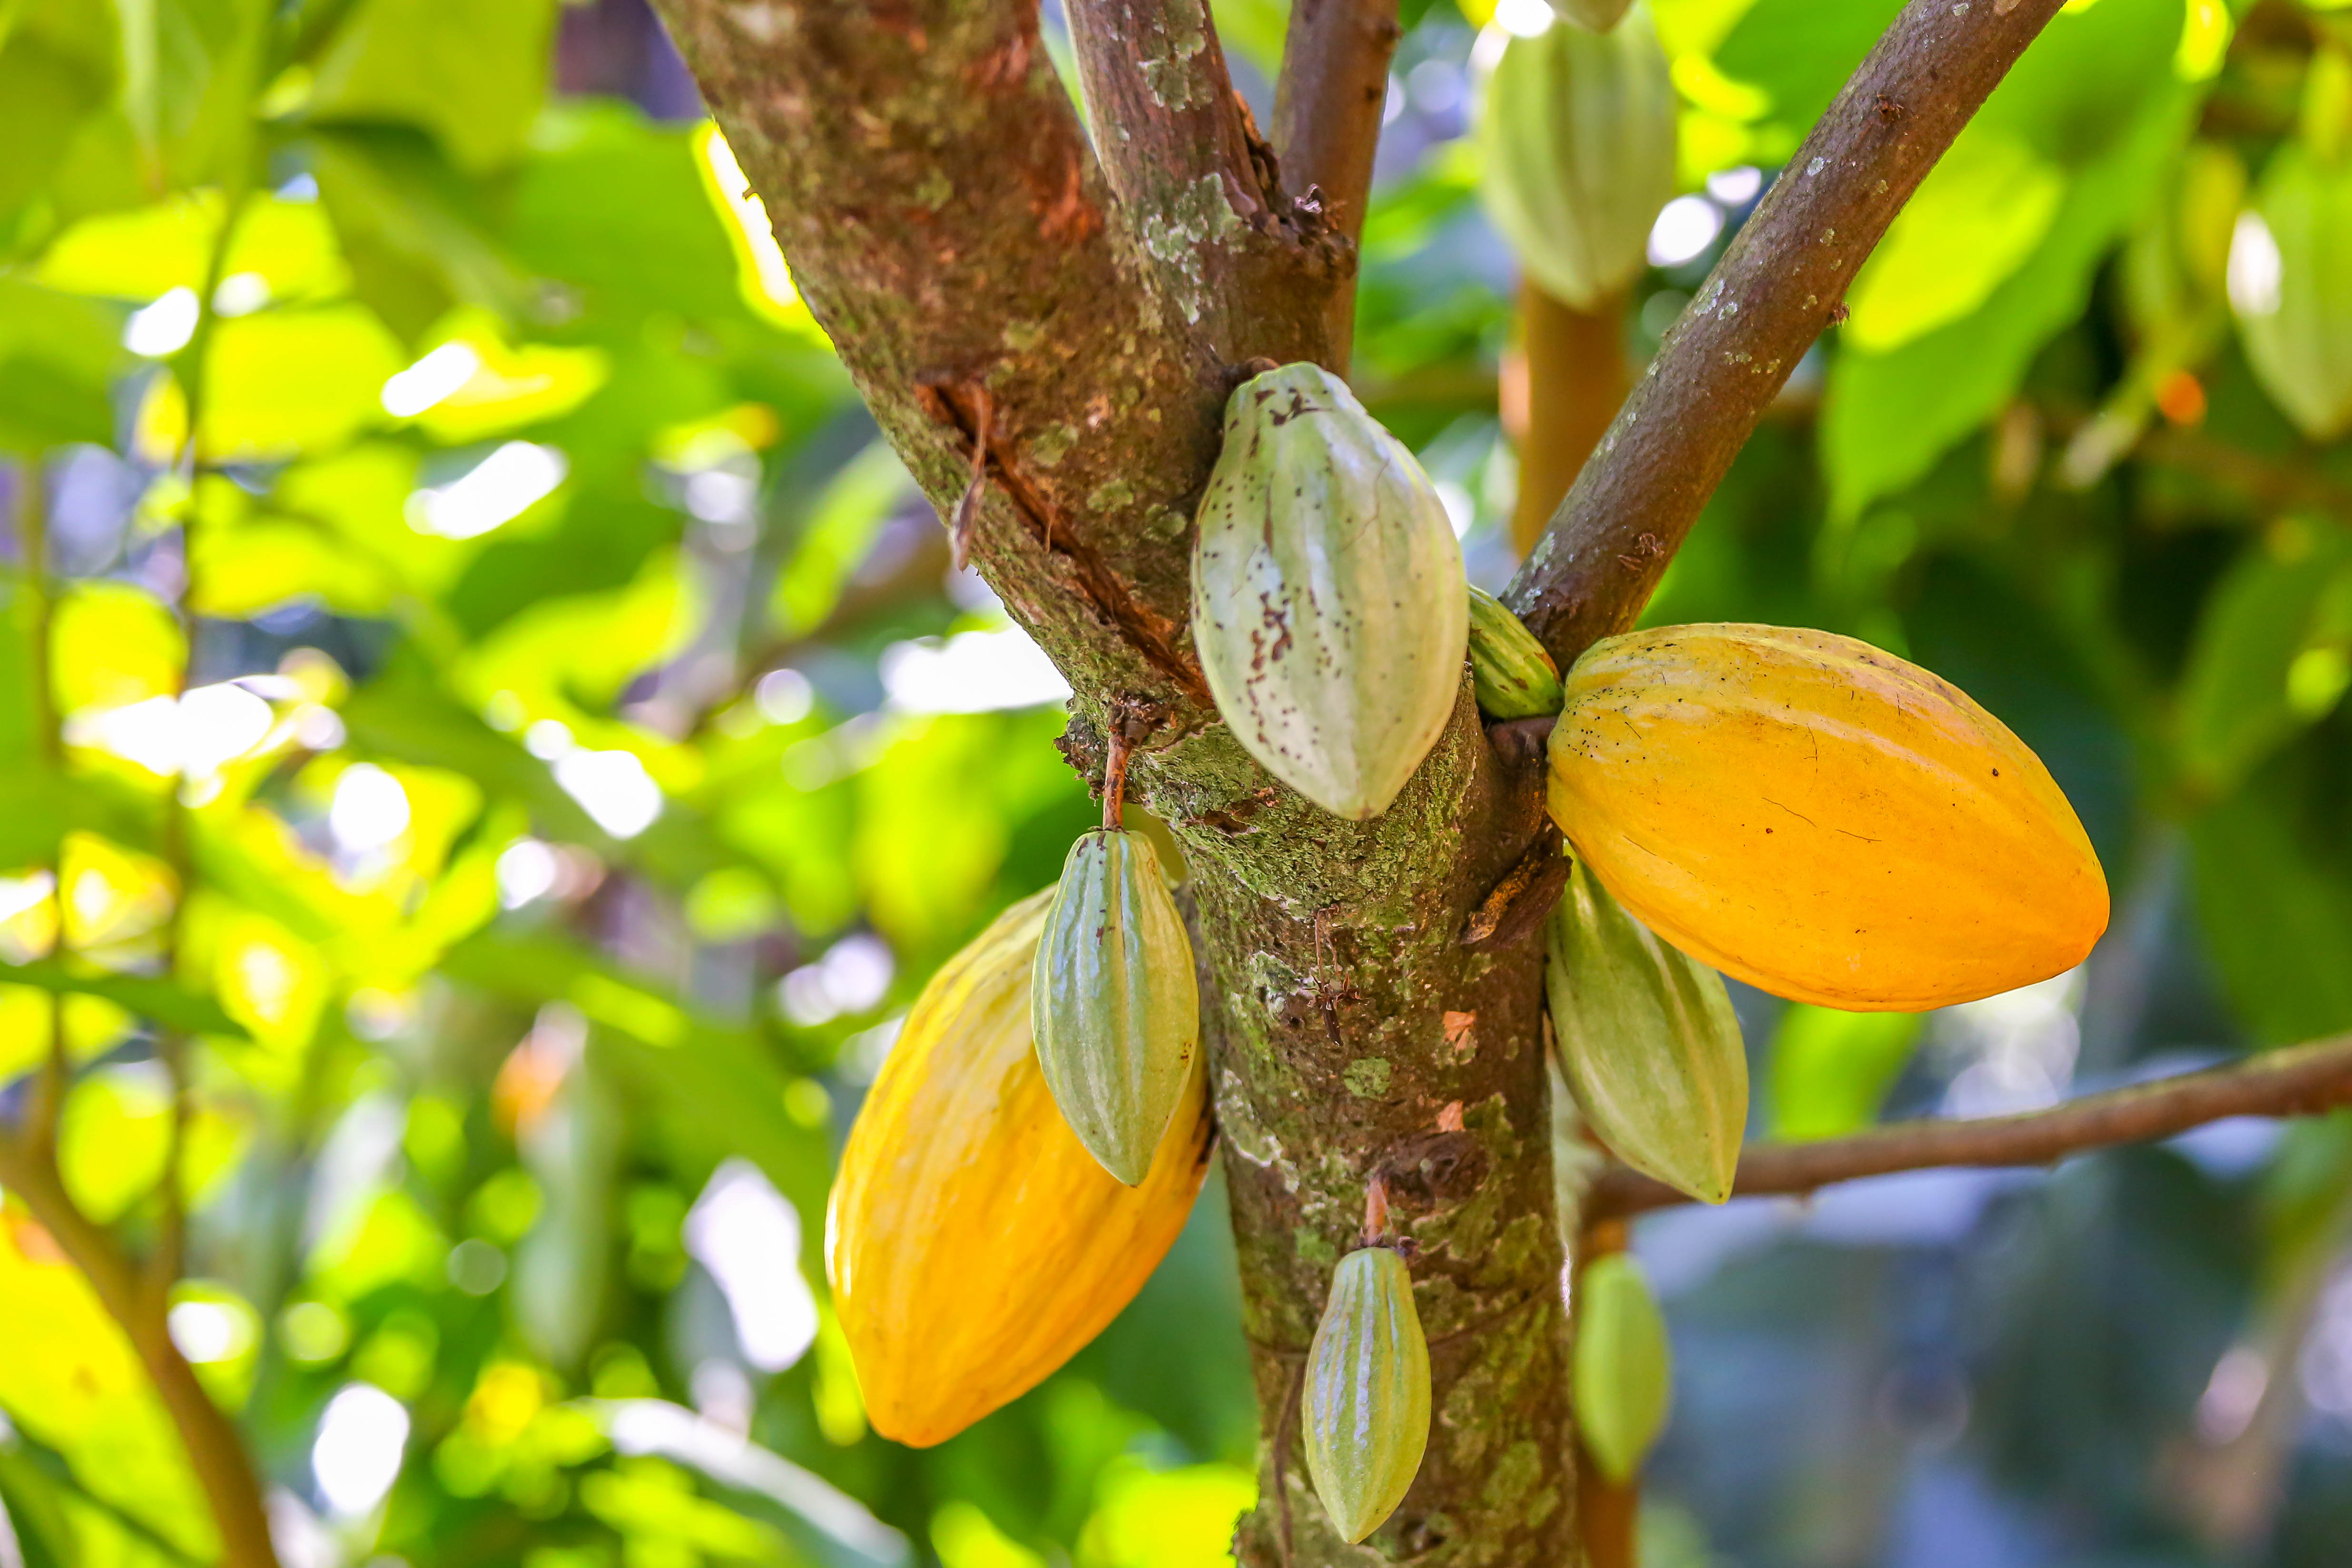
(1114, 1001)
(973, 1244)
(1575, 143)
(1624, 1365)
(1328, 594)
(1365, 1407)
(1648, 1042)
(1821, 819)
(1512, 674)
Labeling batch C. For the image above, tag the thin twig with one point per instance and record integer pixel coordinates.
(1326, 123)
(1781, 283)
(2298, 1080)
(140, 1307)
(48, 1094)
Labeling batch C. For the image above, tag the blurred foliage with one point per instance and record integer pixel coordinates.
(473, 671)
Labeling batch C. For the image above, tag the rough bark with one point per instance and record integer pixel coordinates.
(1248, 264)
(1326, 119)
(930, 183)
(1048, 340)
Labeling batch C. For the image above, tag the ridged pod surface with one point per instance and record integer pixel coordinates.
(2291, 276)
(1576, 140)
(1624, 1365)
(1598, 15)
(1648, 1042)
(1821, 819)
(1365, 1407)
(1513, 675)
(1327, 593)
(1114, 1001)
(973, 1244)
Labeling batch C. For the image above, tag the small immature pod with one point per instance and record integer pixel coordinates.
(1512, 674)
(1327, 593)
(1366, 1403)
(1624, 1367)
(1114, 1001)
(1648, 1042)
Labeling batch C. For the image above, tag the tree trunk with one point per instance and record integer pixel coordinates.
(1047, 327)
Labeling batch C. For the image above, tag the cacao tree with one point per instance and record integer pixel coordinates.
(533, 1027)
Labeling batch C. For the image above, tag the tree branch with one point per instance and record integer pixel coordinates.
(140, 1306)
(950, 227)
(1769, 296)
(1253, 268)
(1327, 122)
(2299, 1080)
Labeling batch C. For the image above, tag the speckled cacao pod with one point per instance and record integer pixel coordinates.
(972, 1245)
(1365, 1407)
(1328, 594)
(1114, 1001)
(1575, 143)
(1648, 1042)
(1512, 674)
(2290, 281)
(1820, 818)
(1624, 1365)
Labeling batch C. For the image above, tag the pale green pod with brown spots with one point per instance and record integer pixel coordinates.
(1365, 1407)
(1327, 593)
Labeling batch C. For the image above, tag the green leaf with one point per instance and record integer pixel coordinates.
(2275, 897)
(615, 208)
(71, 1383)
(161, 1001)
(415, 231)
(57, 67)
(57, 354)
(141, 253)
(281, 383)
(113, 644)
(839, 530)
(1886, 417)
(188, 70)
(1830, 1071)
(473, 75)
(1981, 211)
(2259, 664)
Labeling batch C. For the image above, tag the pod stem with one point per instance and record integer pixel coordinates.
(1129, 723)
(1376, 1210)
(1115, 777)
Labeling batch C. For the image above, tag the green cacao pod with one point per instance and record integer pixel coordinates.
(1366, 1403)
(1513, 676)
(1113, 1001)
(1328, 596)
(1598, 15)
(1625, 1366)
(1648, 1042)
(2290, 282)
(1575, 143)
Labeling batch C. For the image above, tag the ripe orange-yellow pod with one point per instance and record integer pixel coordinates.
(1820, 818)
(973, 1244)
